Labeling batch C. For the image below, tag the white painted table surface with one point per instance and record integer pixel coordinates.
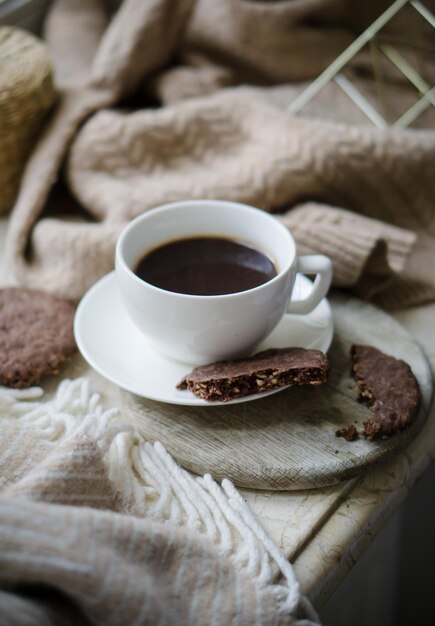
(323, 531)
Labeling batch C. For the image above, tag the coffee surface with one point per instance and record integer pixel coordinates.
(205, 266)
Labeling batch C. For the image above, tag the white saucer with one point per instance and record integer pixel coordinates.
(112, 345)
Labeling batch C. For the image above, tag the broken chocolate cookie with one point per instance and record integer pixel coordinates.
(262, 372)
(389, 387)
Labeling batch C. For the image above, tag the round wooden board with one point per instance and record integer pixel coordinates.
(287, 440)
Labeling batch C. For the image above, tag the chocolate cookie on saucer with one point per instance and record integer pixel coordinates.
(36, 336)
(265, 371)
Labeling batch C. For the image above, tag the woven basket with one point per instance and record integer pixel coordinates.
(26, 95)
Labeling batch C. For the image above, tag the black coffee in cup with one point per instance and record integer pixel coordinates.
(205, 266)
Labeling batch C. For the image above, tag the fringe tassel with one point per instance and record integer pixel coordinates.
(151, 484)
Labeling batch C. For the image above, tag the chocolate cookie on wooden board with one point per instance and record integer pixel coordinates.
(389, 387)
(264, 371)
(36, 336)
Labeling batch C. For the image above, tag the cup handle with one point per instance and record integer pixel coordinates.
(312, 264)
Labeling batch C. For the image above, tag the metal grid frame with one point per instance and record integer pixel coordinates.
(333, 72)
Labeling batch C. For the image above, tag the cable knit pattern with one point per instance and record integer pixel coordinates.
(218, 139)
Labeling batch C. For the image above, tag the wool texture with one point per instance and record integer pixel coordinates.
(98, 526)
(163, 101)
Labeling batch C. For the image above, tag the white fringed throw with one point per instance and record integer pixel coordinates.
(141, 541)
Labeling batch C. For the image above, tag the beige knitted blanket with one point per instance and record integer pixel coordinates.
(361, 195)
(98, 526)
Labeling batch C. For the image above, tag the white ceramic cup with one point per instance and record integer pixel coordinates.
(203, 329)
